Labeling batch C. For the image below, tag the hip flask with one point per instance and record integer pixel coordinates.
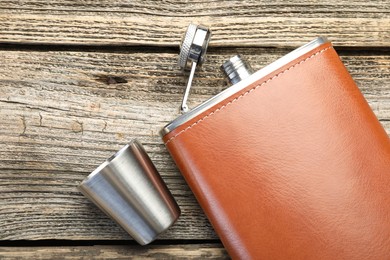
(289, 162)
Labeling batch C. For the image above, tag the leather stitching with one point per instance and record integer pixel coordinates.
(247, 92)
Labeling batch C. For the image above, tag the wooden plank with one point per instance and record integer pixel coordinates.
(155, 23)
(60, 118)
(202, 251)
(177, 8)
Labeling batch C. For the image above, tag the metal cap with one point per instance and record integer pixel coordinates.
(194, 45)
(192, 53)
(128, 188)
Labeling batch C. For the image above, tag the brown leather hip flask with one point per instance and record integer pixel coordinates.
(290, 162)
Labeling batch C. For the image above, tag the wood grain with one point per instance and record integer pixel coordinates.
(62, 115)
(176, 8)
(202, 251)
(234, 23)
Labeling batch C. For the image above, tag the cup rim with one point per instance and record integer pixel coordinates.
(108, 161)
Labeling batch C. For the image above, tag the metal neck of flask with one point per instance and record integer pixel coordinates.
(236, 69)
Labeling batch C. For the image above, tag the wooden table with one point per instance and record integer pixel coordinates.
(79, 79)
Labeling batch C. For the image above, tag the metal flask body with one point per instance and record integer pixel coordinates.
(128, 188)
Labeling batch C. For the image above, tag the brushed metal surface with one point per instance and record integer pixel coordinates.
(128, 188)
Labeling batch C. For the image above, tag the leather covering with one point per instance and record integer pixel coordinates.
(295, 166)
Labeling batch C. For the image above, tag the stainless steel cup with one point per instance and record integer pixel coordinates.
(128, 188)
